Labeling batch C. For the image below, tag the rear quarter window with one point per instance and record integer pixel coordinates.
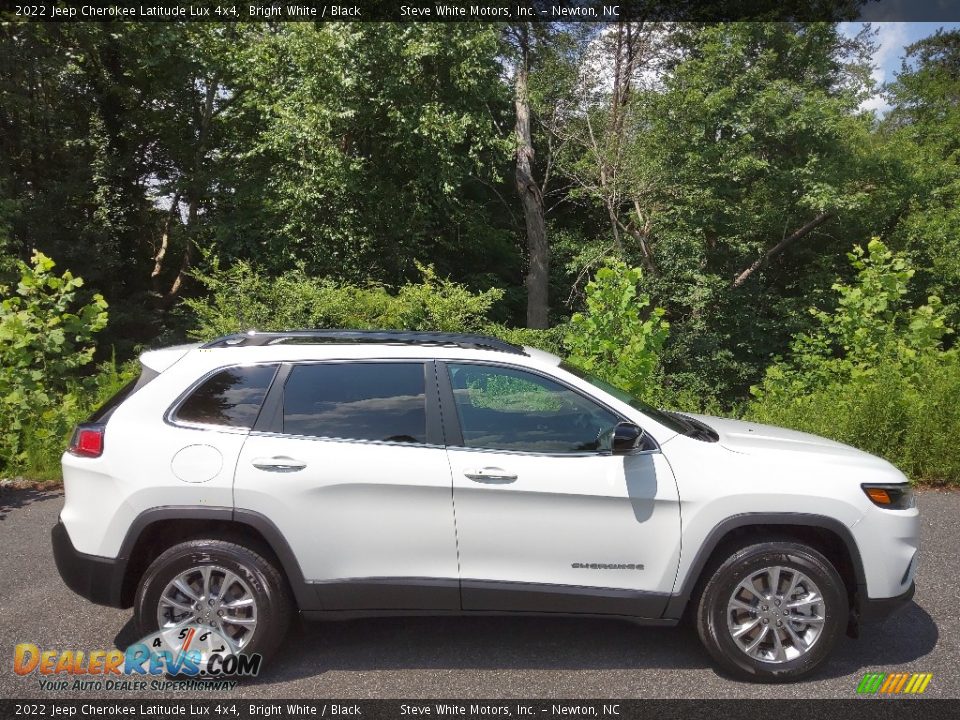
(231, 397)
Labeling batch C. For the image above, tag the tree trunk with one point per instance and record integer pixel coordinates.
(174, 292)
(608, 149)
(531, 196)
(193, 193)
(161, 254)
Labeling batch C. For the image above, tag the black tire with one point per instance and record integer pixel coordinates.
(712, 610)
(266, 583)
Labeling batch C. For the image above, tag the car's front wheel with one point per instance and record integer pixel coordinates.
(772, 611)
(220, 586)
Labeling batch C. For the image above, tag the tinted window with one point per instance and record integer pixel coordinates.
(231, 397)
(506, 409)
(667, 419)
(357, 401)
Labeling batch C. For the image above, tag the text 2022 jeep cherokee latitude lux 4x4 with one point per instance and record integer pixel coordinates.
(346, 473)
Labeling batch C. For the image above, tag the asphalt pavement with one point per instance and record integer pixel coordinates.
(480, 657)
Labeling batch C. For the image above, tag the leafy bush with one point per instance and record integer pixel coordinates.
(871, 327)
(240, 298)
(873, 373)
(45, 340)
(45, 437)
(549, 340)
(618, 338)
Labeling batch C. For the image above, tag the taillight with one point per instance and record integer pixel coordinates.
(87, 441)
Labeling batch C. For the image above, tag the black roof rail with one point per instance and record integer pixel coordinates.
(253, 338)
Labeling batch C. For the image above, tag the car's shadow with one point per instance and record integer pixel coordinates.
(538, 643)
(907, 636)
(14, 498)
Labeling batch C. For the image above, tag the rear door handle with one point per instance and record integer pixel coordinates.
(491, 475)
(278, 464)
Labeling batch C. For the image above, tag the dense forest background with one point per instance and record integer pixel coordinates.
(677, 206)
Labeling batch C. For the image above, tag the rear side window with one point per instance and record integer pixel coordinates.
(357, 401)
(232, 397)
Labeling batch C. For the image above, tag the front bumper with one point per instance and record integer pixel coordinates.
(868, 611)
(872, 610)
(98, 579)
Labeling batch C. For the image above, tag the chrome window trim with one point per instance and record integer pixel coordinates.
(532, 453)
(358, 441)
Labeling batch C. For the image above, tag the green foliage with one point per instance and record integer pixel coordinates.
(359, 153)
(922, 137)
(619, 337)
(45, 437)
(46, 337)
(241, 298)
(871, 327)
(372, 147)
(873, 373)
(751, 133)
(549, 340)
(511, 394)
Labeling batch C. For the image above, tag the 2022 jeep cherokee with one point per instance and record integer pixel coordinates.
(346, 473)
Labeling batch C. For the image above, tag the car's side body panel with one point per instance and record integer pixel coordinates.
(357, 511)
(592, 521)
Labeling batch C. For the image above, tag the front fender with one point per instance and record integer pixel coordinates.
(691, 570)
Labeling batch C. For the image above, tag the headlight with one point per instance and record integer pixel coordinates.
(890, 496)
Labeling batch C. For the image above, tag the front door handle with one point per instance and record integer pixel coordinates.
(278, 464)
(491, 475)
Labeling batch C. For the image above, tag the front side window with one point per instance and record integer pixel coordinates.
(505, 409)
(357, 401)
(671, 420)
(232, 397)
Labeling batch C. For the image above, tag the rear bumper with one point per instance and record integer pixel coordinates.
(98, 579)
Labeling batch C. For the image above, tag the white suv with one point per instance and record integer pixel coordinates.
(348, 473)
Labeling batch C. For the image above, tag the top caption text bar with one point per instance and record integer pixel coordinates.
(490, 11)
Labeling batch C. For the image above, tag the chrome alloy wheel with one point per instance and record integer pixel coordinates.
(776, 614)
(210, 596)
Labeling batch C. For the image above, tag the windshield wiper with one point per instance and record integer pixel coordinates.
(695, 429)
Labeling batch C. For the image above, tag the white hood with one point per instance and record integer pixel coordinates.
(766, 440)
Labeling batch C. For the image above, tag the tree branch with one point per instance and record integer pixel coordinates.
(780, 247)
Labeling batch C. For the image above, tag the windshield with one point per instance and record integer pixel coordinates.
(674, 422)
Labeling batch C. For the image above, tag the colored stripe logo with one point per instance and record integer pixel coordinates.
(894, 683)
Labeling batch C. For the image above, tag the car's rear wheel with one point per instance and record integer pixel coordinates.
(220, 586)
(772, 611)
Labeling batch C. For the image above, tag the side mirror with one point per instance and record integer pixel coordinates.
(627, 437)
